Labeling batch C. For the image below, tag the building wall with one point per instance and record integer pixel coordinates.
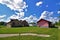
(43, 24)
(8, 25)
(32, 24)
(17, 23)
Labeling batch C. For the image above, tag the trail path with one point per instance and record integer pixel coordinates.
(24, 34)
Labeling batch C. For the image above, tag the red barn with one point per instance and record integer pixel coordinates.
(44, 23)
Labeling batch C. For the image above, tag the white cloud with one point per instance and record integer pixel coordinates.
(48, 16)
(45, 14)
(18, 5)
(53, 19)
(14, 4)
(30, 19)
(39, 3)
(17, 16)
(2, 16)
(20, 14)
(8, 20)
(1, 20)
(58, 12)
(14, 17)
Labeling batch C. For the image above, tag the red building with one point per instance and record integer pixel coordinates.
(44, 23)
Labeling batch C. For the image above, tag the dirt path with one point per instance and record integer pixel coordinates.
(8, 35)
(33, 34)
(24, 34)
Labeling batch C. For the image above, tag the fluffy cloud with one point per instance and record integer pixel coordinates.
(2, 16)
(58, 12)
(53, 19)
(30, 19)
(13, 17)
(17, 16)
(48, 16)
(1, 20)
(7, 20)
(14, 4)
(18, 5)
(39, 3)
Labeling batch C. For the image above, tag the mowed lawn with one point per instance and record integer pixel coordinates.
(53, 32)
(59, 34)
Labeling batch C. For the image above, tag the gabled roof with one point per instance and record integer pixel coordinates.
(14, 20)
(44, 20)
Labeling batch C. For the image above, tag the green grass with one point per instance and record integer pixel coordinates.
(28, 38)
(28, 29)
(59, 34)
(3, 26)
(50, 31)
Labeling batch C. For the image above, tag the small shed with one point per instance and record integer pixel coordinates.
(17, 23)
(33, 24)
(44, 23)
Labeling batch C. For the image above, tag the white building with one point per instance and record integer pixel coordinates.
(32, 24)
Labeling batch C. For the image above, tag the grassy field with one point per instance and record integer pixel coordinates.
(50, 31)
(28, 38)
(59, 34)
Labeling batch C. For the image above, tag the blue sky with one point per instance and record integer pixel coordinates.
(33, 9)
(36, 9)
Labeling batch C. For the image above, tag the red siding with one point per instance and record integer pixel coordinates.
(43, 23)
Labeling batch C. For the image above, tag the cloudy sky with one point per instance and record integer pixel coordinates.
(29, 10)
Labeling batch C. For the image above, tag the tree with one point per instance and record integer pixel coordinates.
(2, 23)
(58, 23)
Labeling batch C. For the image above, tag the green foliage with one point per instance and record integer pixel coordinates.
(57, 23)
(2, 23)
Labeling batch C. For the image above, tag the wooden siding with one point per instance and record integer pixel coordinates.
(43, 23)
